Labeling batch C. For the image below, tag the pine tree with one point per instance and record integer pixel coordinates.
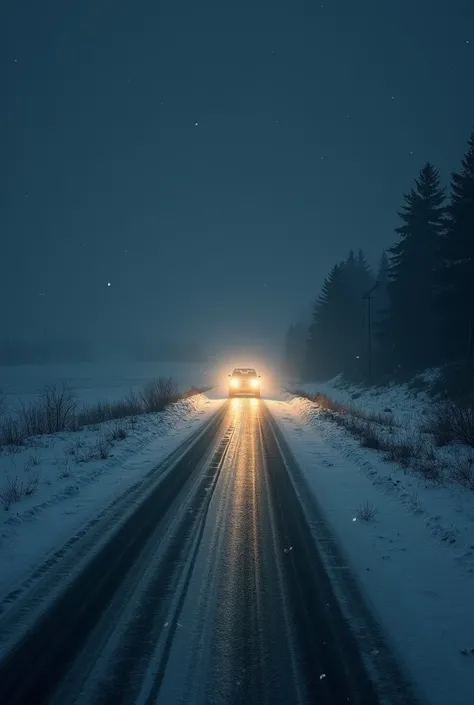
(409, 329)
(295, 350)
(360, 280)
(326, 334)
(457, 269)
(365, 276)
(381, 298)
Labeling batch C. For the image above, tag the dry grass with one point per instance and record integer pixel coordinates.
(461, 467)
(16, 489)
(107, 411)
(64, 471)
(367, 512)
(379, 431)
(158, 394)
(118, 432)
(452, 422)
(100, 450)
(56, 410)
(10, 433)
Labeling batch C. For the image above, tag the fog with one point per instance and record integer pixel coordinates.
(178, 184)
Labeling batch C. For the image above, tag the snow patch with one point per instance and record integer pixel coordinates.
(79, 474)
(414, 558)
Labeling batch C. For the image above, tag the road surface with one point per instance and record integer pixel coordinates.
(211, 591)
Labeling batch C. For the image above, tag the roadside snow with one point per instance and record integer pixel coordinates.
(408, 405)
(415, 559)
(77, 474)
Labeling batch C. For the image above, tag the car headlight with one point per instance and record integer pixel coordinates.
(255, 382)
(235, 383)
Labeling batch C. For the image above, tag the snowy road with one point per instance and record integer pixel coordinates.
(214, 590)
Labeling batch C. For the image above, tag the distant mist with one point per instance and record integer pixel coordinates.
(64, 350)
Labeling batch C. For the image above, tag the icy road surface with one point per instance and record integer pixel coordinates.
(217, 588)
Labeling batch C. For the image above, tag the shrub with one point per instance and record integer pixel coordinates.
(16, 489)
(31, 419)
(54, 411)
(429, 467)
(370, 436)
(452, 422)
(12, 493)
(31, 485)
(33, 461)
(75, 448)
(367, 512)
(65, 470)
(325, 402)
(158, 394)
(106, 411)
(117, 433)
(58, 403)
(101, 450)
(461, 466)
(10, 433)
(402, 451)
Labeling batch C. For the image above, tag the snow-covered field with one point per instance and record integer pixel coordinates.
(414, 557)
(410, 542)
(75, 475)
(96, 381)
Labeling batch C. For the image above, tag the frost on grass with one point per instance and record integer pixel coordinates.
(461, 467)
(15, 489)
(117, 432)
(64, 470)
(367, 512)
(452, 422)
(56, 410)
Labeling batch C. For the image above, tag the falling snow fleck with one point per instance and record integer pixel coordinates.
(109, 283)
(323, 675)
(354, 519)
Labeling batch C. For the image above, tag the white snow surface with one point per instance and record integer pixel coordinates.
(409, 407)
(415, 559)
(97, 381)
(72, 488)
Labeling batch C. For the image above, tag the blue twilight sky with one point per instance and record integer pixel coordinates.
(212, 160)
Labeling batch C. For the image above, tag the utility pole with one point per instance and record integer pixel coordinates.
(368, 297)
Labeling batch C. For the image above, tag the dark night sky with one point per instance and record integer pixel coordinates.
(212, 159)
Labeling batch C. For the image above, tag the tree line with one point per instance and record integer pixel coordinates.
(417, 309)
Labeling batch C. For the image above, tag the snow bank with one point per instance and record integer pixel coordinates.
(415, 559)
(79, 473)
(408, 404)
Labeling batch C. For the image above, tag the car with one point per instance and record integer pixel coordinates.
(244, 380)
